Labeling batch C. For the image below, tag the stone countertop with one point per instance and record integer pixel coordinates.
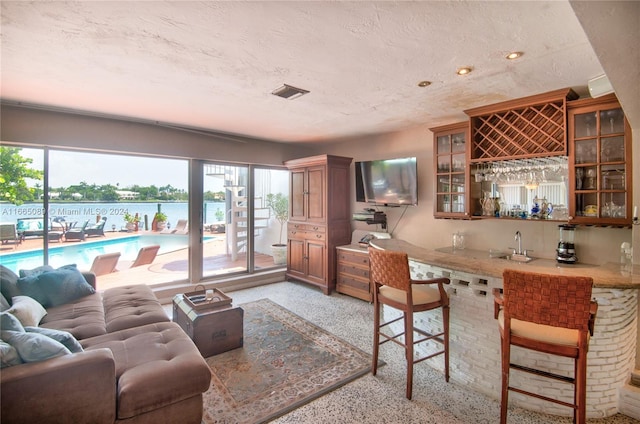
(608, 275)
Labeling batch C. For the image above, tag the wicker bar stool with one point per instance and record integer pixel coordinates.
(393, 286)
(546, 313)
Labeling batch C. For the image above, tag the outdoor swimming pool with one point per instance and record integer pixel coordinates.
(82, 254)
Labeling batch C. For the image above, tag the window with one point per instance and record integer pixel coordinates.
(102, 203)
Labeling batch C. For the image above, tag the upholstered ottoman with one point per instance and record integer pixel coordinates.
(160, 373)
(131, 306)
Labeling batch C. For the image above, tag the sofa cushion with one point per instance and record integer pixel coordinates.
(33, 347)
(10, 322)
(4, 303)
(82, 317)
(8, 355)
(57, 287)
(35, 271)
(156, 365)
(131, 306)
(63, 337)
(8, 283)
(27, 310)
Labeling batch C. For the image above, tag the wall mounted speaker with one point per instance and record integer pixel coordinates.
(600, 86)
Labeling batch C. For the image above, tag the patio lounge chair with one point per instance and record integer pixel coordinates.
(96, 229)
(146, 255)
(105, 264)
(9, 233)
(180, 228)
(30, 227)
(76, 233)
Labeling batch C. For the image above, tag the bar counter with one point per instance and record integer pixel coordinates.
(608, 275)
(475, 340)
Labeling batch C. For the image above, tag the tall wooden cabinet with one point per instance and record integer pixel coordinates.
(319, 218)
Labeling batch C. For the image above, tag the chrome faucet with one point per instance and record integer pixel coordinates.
(519, 240)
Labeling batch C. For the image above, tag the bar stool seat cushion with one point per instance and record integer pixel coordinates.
(421, 294)
(544, 333)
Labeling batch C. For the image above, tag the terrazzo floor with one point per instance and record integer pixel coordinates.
(381, 399)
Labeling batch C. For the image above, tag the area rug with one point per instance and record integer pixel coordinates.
(285, 362)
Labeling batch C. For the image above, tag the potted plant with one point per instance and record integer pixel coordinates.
(131, 221)
(279, 206)
(161, 220)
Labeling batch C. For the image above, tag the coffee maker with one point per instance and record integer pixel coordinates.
(566, 252)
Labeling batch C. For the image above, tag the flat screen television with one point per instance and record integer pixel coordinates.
(388, 182)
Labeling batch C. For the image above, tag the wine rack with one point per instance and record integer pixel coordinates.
(530, 127)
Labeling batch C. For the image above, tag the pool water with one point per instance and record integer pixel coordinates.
(83, 253)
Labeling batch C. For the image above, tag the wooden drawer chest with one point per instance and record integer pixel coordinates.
(353, 272)
(214, 330)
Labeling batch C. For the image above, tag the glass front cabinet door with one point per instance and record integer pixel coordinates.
(452, 171)
(600, 154)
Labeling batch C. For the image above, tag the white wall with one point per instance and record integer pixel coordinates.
(46, 128)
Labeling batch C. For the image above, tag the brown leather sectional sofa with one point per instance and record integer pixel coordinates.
(136, 366)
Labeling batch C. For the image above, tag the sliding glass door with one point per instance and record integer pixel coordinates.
(271, 212)
(240, 224)
(23, 221)
(225, 219)
(86, 208)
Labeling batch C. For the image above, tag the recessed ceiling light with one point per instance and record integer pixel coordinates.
(424, 83)
(464, 70)
(514, 55)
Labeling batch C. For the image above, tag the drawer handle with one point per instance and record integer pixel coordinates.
(318, 236)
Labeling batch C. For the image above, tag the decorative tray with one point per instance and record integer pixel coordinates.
(198, 299)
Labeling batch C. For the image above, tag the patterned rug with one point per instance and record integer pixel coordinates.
(285, 362)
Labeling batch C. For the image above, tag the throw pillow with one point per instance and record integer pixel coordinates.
(8, 355)
(27, 310)
(33, 347)
(53, 288)
(35, 271)
(63, 337)
(10, 322)
(4, 303)
(8, 283)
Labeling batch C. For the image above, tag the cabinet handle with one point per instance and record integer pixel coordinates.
(318, 236)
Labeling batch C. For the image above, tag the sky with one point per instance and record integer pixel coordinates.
(68, 168)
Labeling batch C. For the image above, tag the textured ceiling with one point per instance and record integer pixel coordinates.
(213, 65)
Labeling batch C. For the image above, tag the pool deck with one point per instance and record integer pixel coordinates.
(167, 267)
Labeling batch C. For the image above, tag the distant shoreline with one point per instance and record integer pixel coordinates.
(93, 211)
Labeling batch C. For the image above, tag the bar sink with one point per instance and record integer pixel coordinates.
(517, 258)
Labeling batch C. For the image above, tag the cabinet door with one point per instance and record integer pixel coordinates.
(297, 209)
(316, 194)
(296, 256)
(316, 260)
(451, 164)
(599, 152)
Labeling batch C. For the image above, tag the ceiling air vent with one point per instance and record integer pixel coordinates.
(289, 92)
